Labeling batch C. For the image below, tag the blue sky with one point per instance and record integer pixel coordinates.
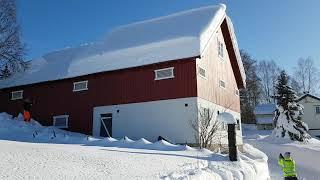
(280, 30)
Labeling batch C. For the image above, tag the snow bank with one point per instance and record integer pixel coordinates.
(18, 130)
(202, 164)
(251, 166)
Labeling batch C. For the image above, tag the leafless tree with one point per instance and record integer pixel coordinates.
(306, 75)
(205, 127)
(251, 95)
(268, 72)
(11, 48)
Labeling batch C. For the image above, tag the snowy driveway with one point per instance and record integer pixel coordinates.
(20, 160)
(306, 156)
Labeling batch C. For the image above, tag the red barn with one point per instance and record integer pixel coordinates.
(145, 79)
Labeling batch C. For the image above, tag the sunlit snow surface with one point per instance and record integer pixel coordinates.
(305, 154)
(32, 151)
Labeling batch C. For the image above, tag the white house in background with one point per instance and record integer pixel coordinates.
(311, 114)
(264, 116)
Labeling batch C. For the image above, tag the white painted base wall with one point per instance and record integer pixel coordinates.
(168, 118)
(207, 104)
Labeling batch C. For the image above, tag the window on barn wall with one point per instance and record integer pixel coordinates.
(80, 86)
(165, 73)
(222, 84)
(202, 72)
(61, 121)
(220, 48)
(16, 95)
(317, 109)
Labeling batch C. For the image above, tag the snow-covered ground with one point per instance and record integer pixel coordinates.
(32, 151)
(306, 155)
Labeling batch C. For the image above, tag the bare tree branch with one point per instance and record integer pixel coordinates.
(12, 49)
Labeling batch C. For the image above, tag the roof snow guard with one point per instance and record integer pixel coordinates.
(177, 36)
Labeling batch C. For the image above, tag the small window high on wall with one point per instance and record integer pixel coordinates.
(17, 95)
(165, 73)
(80, 86)
(220, 48)
(222, 84)
(61, 121)
(202, 72)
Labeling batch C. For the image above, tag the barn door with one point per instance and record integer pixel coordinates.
(106, 125)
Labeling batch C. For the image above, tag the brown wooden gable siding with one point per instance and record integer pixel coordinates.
(231, 53)
(117, 87)
(216, 69)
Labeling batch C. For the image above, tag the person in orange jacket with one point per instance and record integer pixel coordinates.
(26, 116)
(26, 110)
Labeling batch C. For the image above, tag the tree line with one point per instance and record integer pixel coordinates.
(262, 79)
(12, 50)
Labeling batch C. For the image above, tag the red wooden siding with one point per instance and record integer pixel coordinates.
(109, 88)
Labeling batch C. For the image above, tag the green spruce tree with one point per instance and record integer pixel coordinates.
(287, 118)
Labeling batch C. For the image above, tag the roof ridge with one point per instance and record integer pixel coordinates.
(180, 13)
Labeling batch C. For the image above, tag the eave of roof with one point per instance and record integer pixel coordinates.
(233, 51)
(308, 95)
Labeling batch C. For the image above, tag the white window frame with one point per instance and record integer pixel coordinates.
(15, 98)
(219, 43)
(169, 77)
(236, 92)
(205, 72)
(61, 116)
(224, 84)
(317, 112)
(84, 89)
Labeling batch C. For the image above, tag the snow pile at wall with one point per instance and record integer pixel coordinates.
(253, 164)
(18, 130)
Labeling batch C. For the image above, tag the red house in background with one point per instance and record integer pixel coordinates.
(146, 79)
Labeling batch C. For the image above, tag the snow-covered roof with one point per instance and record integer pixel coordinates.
(265, 109)
(264, 120)
(308, 95)
(172, 37)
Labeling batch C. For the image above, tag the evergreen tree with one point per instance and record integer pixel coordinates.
(287, 118)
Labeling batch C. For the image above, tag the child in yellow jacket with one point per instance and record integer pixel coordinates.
(288, 166)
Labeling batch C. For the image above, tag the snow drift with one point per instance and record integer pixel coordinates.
(185, 162)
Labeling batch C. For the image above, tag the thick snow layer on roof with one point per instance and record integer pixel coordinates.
(176, 36)
(265, 109)
(265, 120)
